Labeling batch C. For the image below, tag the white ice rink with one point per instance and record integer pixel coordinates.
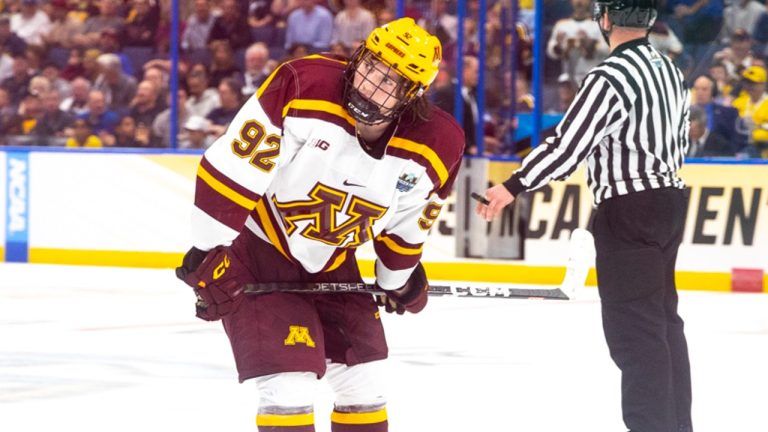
(103, 349)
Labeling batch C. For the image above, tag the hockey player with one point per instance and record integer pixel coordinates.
(328, 154)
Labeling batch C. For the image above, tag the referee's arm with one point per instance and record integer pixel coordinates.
(594, 113)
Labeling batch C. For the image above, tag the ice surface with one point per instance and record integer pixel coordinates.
(95, 349)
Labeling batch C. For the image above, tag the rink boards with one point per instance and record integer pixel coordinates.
(132, 209)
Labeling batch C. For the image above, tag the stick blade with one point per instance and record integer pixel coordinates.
(581, 256)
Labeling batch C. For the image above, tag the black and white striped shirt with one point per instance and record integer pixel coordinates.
(629, 121)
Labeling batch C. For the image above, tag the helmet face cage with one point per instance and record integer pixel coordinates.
(365, 109)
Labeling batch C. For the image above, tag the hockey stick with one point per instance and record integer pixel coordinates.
(580, 257)
(434, 290)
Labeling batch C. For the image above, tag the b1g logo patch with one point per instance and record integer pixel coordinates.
(406, 182)
(299, 335)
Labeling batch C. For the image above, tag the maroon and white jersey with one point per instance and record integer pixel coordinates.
(290, 169)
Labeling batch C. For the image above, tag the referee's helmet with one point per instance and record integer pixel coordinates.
(627, 13)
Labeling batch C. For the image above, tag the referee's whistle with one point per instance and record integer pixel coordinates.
(477, 197)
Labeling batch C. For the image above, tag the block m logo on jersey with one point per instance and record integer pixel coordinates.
(335, 217)
(300, 335)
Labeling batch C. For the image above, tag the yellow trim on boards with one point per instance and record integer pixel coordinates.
(105, 258)
(2, 254)
(471, 271)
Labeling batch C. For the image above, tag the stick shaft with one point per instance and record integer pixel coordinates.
(434, 290)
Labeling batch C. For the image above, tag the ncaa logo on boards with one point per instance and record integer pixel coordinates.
(17, 207)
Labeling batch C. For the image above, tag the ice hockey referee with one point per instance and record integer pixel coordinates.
(629, 122)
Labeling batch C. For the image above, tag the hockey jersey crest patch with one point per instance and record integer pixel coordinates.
(406, 182)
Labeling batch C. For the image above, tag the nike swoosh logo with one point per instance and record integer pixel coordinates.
(347, 183)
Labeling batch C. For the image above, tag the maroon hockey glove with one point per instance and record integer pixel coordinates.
(412, 297)
(191, 262)
(218, 283)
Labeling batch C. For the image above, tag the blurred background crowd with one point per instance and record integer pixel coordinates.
(95, 73)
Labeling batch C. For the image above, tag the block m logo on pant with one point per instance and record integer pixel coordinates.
(299, 335)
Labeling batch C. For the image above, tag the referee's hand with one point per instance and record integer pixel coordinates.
(498, 197)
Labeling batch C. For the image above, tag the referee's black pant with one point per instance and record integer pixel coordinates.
(636, 239)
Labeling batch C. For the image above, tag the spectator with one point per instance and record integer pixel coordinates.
(25, 119)
(340, 50)
(6, 66)
(386, 15)
(697, 22)
(256, 67)
(77, 103)
(118, 87)
(566, 92)
(101, 120)
(524, 103)
(157, 75)
(261, 20)
(352, 25)
(110, 43)
(17, 84)
(665, 40)
(128, 134)
(63, 27)
(296, 51)
(741, 14)
(738, 55)
(721, 120)
(146, 104)
(91, 68)
(108, 18)
(202, 99)
(719, 73)
(440, 23)
(445, 99)
(753, 107)
(51, 72)
(310, 25)
(223, 63)
(10, 42)
(30, 23)
(577, 42)
(161, 127)
(198, 27)
(74, 67)
(196, 134)
(82, 136)
(38, 85)
(231, 97)
(753, 102)
(7, 110)
(231, 26)
(703, 141)
(53, 123)
(141, 24)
